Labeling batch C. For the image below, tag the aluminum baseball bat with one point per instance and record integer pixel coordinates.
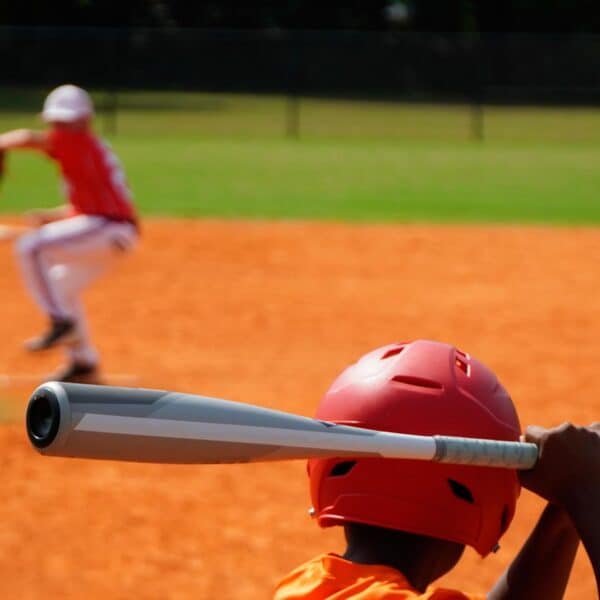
(141, 425)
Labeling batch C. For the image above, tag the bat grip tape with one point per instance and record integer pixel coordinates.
(485, 453)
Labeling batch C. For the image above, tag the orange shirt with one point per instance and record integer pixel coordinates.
(332, 577)
(94, 180)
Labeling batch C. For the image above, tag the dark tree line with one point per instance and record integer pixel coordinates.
(554, 16)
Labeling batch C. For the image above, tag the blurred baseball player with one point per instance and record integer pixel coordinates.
(72, 245)
(407, 522)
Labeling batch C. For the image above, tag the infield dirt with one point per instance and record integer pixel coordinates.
(269, 313)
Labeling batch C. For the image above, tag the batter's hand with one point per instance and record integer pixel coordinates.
(568, 464)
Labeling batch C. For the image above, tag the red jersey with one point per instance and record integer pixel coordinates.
(331, 576)
(94, 180)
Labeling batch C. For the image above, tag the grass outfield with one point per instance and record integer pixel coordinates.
(228, 156)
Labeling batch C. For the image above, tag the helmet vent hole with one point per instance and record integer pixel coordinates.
(392, 352)
(461, 363)
(342, 468)
(461, 491)
(418, 381)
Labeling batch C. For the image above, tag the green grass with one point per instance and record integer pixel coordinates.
(228, 156)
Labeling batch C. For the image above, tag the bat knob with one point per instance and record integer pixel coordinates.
(42, 417)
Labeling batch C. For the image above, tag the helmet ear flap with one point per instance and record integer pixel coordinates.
(422, 388)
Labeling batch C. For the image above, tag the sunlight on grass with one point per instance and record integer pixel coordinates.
(229, 156)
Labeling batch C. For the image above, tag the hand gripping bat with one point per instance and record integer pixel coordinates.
(118, 423)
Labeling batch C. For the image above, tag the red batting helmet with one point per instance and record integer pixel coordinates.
(422, 388)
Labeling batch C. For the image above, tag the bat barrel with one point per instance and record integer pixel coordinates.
(141, 425)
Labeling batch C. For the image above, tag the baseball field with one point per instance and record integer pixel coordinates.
(266, 265)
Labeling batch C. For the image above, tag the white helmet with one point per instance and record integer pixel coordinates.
(67, 103)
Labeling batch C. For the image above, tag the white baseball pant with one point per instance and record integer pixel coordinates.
(60, 259)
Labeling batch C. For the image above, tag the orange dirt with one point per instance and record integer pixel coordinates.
(269, 314)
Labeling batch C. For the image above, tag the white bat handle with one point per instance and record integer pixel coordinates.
(488, 453)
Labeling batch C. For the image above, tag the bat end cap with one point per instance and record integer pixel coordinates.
(43, 417)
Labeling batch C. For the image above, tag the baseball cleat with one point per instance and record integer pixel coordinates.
(62, 331)
(77, 373)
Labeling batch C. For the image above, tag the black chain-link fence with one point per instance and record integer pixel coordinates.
(469, 70)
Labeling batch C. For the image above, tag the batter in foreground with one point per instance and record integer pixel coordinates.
(408, 522)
